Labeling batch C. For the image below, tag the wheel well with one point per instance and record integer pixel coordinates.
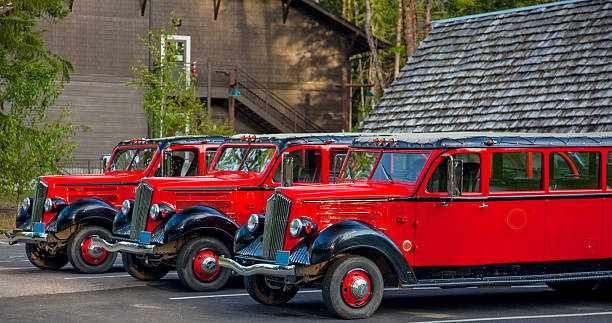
(389, 274)
(214, 233)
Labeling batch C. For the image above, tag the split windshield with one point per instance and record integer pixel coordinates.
(131, 159)
(390, 166)
(244, 159)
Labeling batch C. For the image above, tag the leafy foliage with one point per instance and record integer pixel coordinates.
(170, 102)
(31, 79)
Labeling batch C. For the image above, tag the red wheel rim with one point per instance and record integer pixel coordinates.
(356, 288)
(206, 265)
(95, 257)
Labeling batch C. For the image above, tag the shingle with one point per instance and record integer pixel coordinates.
(537, 69)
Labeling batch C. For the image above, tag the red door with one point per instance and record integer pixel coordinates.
(451, 234)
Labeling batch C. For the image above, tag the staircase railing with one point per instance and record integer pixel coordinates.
(268, 101)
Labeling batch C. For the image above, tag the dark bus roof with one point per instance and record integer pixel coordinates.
(170, 141)
(483, 139)
(286, 140)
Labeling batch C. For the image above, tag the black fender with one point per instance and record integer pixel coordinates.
(344, 236)
(122, 224)
(198, 218)
(86, 210)
(23, 220)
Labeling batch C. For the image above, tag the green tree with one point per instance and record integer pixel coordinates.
(170, 102)
(31, 79)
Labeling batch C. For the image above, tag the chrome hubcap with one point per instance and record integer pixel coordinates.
(95, 252)
(359, 288)
(209, 265)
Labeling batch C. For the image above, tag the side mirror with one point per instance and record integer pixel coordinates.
(105, 159)
(338, 161)
(454, 185)
(287, 170)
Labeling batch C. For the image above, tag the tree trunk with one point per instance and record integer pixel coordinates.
(344, 9)
(362, 94)
(398, 38)
(410, 30)
(355, 13)
(427, 16)
(374, 54)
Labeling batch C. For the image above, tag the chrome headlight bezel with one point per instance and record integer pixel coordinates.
(301, 227)
(26, 205)
(160, 211)
(127, 206)
(255, 222)
(53, 204)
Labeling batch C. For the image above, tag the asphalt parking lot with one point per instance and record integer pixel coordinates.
(28, 294)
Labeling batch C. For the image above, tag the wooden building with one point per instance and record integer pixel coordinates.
(286, 58)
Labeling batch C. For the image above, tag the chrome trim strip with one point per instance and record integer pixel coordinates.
(257, 269)
(123, 246)
(23, 236)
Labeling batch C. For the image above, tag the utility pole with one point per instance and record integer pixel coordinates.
(346, 100)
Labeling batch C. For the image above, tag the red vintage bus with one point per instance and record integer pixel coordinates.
(57, 223)
(446, 210)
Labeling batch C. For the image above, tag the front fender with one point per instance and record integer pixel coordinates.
(85, 210)
(350, 235)
(23, 220)
(198, 218)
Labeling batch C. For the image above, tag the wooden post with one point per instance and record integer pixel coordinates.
(208, 90)
(231, 100)
(344, 101)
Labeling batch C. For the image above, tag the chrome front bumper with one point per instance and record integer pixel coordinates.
(23, 236)
(123, 246)
(258, 269)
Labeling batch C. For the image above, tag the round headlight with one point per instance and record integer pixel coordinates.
(253, 222)
(126, 206)
(27, 203)
(295, 227)
(48, 205)
(155, 212)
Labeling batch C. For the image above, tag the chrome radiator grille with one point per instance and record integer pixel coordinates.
(40, 194)
(275, 228)
(144, 194)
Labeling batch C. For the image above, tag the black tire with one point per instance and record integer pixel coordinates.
(42, 259)
(573, 287)
(202, 249)
(343, 270)
(140, 270)
(266, 294)
(77, 251)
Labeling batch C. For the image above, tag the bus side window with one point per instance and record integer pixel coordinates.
(571, 170)
(471, 174)
(609, 170)
(516, 171)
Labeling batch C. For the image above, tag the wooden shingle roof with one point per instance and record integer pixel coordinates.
(545, 68)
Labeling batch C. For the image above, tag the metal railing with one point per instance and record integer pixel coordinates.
(216, 76)
(83, 167)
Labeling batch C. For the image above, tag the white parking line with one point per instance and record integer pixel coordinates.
(15, 268)
(2, 242)
(529, 286)
(526, 317)
(96, 277)
(246, 294)
(231, 295)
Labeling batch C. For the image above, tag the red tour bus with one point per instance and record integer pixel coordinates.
(444, 210)
(57, 223)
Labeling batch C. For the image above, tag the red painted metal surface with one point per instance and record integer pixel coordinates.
(197, 265)
(347, 283)
(89, 259)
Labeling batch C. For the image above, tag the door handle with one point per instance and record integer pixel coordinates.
(483, 206)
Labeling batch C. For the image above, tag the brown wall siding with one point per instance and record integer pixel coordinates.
(300, 60)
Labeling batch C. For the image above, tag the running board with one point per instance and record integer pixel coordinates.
(510, 280)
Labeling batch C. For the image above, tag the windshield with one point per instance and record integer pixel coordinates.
(132, 159)
(359, 165)
(392, 166)
(245, 159)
